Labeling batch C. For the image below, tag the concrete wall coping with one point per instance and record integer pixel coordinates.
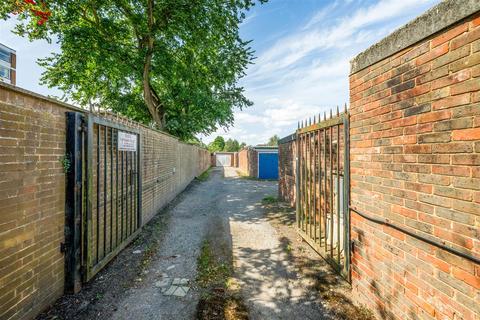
(441, 16)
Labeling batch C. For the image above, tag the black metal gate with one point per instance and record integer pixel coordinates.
(103, 204)
(322, 181)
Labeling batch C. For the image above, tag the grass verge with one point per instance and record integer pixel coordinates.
(220, 298)
(269, 200)
(205, 174)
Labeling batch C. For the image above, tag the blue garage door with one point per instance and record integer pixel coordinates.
(268, 165)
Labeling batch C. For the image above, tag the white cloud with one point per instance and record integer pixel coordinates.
(305, 72)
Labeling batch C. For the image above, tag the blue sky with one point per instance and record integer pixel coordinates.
(303, 49)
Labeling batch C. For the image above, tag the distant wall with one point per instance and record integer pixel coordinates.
(247, 162)
(32, 194)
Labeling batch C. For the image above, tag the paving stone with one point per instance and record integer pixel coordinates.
(180, 281)
(170, 290)
(181, 291)
(162, 283)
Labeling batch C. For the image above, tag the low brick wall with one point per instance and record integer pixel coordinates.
(247, 162)
(32, 194)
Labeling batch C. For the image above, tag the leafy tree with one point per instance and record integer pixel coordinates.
(273, 141)
(231, 146)
(242, 145)
(217, 145)
(197, 142)
(171, 63)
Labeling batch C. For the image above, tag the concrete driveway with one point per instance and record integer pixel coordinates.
(230, 207)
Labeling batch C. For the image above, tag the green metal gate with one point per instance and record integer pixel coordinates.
(103, 194)
(322, 181)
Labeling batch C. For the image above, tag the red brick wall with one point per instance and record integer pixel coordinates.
(32, 194)
(286, 173)
(247, 162)
(415, 160)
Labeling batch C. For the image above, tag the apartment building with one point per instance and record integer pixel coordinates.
(8, 64)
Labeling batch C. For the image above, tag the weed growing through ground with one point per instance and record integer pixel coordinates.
(219, 298)
(269, 200)
(211, 271)
(205, 174)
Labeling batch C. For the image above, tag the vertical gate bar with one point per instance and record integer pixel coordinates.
(297, 178)
(87, 221)
(325, 190)
(105, 190)
(127, 227)
(130, 185)
(320, 186)
(122, 198)
(346, 185)
(305, 211)
(338, 193)
(331, 190)
(139, 180)
(111, 189)
(307, 187)
(300, 193)
(312, 175)
(305, 182)
(314, 187)
(98, 194)
(73, 202)
(131, 191)
(116, 189)
(134, 190)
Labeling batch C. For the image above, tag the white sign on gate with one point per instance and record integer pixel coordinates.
(127, 141)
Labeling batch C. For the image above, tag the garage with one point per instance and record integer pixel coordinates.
(223, 159)
(267, 164)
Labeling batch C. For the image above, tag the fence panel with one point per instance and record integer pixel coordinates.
(322, 181)
(113, 195)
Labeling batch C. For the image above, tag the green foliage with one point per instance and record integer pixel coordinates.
(269, 200)
(209, 270)
(231, 145)
(205, 174)
(273, 141)
(174, 64)
(217, 145)
(196, 142)
(66, 163)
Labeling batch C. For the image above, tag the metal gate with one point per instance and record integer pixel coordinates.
(322, 181)
(103, 207)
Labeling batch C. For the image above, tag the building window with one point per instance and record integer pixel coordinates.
(4, 72)
(5, 56)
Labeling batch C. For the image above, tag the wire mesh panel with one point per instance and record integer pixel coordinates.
(322, 181)
(112, 214)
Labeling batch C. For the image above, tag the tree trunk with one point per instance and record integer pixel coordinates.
(155, 110)
(151, 100)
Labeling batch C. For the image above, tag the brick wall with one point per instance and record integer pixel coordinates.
(32, 197)
(415, 160)
(286, 172)
(32, 194)
(247, 162)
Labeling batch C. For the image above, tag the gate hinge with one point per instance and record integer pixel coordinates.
(63, 247)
